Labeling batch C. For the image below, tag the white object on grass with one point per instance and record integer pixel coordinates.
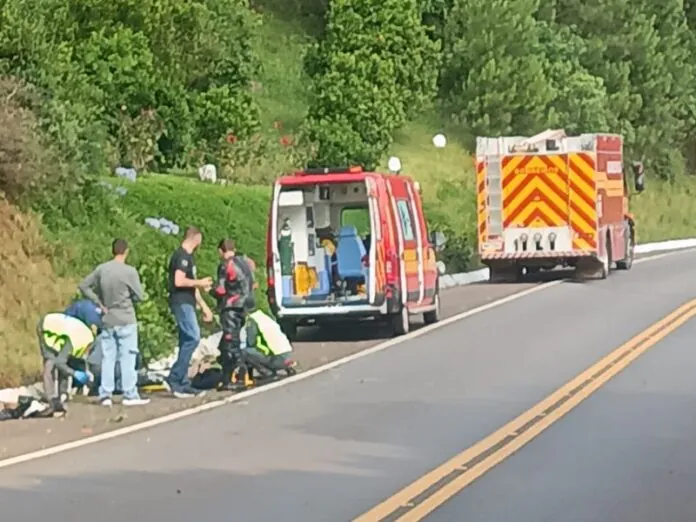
(439, 141)
(208, 173)
(394, 164)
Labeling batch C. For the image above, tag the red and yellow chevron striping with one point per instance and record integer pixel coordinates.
(552, 190)
(535, 191)
(583, 197)
(481, 203)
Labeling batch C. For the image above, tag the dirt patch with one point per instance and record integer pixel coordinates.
(30, 287)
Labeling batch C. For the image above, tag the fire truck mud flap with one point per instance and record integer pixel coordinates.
(594, 267)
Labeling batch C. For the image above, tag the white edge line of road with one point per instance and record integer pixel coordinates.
(60, 448)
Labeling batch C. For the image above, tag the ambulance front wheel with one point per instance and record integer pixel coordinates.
(433, 316)
(289, 328)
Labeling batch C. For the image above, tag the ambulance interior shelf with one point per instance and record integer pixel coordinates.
(323, 259)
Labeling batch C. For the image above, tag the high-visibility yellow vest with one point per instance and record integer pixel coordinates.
(271, 339)
(59, 328)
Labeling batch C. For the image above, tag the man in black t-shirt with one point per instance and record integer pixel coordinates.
(184, 293)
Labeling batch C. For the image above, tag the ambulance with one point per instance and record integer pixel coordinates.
(345, 245)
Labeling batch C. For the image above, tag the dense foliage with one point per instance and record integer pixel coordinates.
(168, 83)
(152, 83)
(373, 69)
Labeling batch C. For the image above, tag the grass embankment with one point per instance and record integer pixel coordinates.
(32, 286)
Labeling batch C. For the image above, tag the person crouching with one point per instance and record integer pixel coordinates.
(234, 292)
(268, 348)
(64, 342)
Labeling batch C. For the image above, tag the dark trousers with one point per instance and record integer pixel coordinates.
(231, 355)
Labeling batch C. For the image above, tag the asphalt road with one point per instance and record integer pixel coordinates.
(331, 447)
(628, 453)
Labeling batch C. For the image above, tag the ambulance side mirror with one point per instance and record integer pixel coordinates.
(441, 268)
(438, 241)
(638, 176)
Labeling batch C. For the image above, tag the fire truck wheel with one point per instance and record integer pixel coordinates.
(434, 315)
(627, 262)
(520, 273)
(400, 322)
(606, 261)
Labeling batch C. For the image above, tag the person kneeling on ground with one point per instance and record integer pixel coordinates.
(64, 342)
(268, 348)
(234, 292)
(90, 314)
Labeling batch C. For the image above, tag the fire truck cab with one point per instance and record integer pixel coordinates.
(343, 244)
(551, 200)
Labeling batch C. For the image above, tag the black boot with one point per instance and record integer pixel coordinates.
(226, 379)
(57, 407)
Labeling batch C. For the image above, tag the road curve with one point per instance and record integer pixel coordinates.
(331, 447)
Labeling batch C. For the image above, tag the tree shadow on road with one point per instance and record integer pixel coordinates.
(188, 495)
(545, 276)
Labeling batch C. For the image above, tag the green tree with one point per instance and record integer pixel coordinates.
(494, 78)
(373, 69)
(638, 49)
(580, 100)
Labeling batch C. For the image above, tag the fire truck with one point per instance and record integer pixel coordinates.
(554, 200)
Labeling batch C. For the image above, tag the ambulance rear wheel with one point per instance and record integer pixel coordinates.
(434, 315)
(289, 328)
(400, 322)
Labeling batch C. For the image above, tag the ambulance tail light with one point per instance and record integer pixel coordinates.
(270, 277)
(391, 265)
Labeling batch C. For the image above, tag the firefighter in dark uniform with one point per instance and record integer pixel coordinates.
(234, 292)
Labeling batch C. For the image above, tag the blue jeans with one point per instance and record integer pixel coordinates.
(189, 338)
(119, 345)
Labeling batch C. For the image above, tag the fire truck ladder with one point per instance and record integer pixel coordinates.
(494, 196)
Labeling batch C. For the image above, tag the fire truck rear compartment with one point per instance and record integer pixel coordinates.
(539, 241)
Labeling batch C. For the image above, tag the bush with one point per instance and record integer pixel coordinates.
(189, 62)
(27, 167)
(458, 227)
(231, 211)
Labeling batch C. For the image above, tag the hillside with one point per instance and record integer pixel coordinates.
(61, 233)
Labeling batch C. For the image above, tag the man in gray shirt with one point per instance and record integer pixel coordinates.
(115, 287)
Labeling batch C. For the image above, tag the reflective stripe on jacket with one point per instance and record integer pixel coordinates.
(59, 328)
(271, 338)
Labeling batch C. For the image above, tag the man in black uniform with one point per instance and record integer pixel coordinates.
(184, 294)
(234, 292)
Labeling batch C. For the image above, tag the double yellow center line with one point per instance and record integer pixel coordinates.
(429, 492)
